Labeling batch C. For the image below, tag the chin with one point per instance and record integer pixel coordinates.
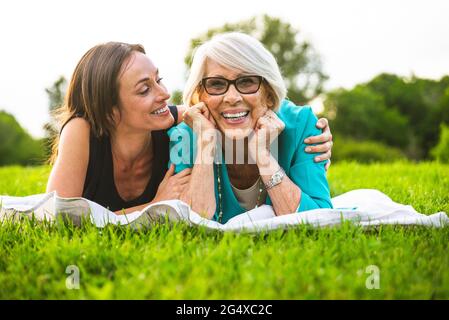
(236, 133)
(164, 124)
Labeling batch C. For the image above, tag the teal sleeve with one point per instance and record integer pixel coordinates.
(307, 174)
(181, 147)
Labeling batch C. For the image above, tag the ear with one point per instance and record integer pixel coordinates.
(195, 98)
(268, 96)
(116, 115)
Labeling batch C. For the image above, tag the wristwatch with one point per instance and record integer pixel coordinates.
(275, 179)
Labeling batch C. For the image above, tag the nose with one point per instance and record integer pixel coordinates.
(232, 96)
(162, 92)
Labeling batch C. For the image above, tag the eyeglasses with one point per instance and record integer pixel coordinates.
(216, 86)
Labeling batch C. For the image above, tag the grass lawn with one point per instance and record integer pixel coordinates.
(185, 263)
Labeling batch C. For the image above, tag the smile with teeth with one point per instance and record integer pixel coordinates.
(160, 110)
(235, 116)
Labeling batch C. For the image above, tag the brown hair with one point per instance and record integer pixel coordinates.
(94, 89)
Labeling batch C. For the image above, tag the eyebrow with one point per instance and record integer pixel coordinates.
(241, 74)
(145, 79)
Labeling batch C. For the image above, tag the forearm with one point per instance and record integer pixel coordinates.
(286, 196)
(200, 193)
(134, 209)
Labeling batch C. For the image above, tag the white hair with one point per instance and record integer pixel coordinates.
(238, 51)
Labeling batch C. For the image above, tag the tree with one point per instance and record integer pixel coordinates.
(422, 101)
(17, 146)
(361, 114)
(56, 94)
(297, 59)
(176, 97)
(441, 151)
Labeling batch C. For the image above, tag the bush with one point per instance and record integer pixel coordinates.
(364, 151)
(441, 151)
(17, 146)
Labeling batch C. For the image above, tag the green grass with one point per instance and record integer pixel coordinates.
(184, 263)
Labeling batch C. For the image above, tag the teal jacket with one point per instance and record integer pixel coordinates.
(299, 166)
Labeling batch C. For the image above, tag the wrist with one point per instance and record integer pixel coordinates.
(206, 149)
(263, 158)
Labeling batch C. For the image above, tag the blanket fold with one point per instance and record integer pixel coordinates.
(364, 207)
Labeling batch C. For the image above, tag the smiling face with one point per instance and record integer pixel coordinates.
(142, 96)
(236, 114)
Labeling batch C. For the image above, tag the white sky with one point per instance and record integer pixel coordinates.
(41, 40)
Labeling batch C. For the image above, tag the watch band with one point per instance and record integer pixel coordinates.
(275, 179)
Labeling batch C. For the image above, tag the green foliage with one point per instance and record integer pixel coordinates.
(56, 93)
(364, 151)
(362, 114)
(298, 61)
(185, 263)
(398, 111)
(441, 150)
(176, 97)
(17, 146)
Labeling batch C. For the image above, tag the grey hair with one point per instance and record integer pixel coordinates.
(238, 51)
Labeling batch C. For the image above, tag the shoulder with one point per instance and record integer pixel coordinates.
(76, 124)
(181, 129)
(75, 138)
(69, 170)
(300, 119)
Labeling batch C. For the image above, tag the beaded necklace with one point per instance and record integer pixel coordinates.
(220, 200)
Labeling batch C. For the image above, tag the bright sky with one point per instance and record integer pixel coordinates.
(41, 40)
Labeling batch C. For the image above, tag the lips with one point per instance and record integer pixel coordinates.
(161, 111)
(235, 116)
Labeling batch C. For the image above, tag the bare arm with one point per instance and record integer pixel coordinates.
(69, 171)
(285, 196)
(170, 188)
(200, 192)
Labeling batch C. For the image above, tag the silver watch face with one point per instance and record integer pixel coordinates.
(277, 177)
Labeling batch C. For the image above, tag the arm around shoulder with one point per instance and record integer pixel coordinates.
(69, 170)
(309, 175)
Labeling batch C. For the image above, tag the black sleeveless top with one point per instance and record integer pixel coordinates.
(99, 185)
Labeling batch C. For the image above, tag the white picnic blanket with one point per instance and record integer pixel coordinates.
(365, 207)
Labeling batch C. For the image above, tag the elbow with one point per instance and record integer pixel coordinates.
(207, 211)
(308, 203)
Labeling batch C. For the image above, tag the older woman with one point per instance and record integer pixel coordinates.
(235, 86)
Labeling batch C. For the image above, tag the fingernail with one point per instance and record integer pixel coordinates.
(307, 140)
(317, 159)
(308, 149)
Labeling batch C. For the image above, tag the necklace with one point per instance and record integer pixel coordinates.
(220, 198)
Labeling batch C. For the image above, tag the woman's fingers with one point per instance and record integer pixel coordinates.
(323, 123)
(183, 180)
(323, 156)
(324, 137)
(184, 173)
(328, 164)
(170, 171)
(324, 147)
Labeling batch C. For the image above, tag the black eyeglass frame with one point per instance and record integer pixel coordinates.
(229, 82)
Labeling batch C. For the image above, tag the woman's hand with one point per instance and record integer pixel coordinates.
(324, 140)
(173, 185)
(268, 127)
(198, 118)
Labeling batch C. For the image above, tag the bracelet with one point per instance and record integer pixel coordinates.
(275, 179)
